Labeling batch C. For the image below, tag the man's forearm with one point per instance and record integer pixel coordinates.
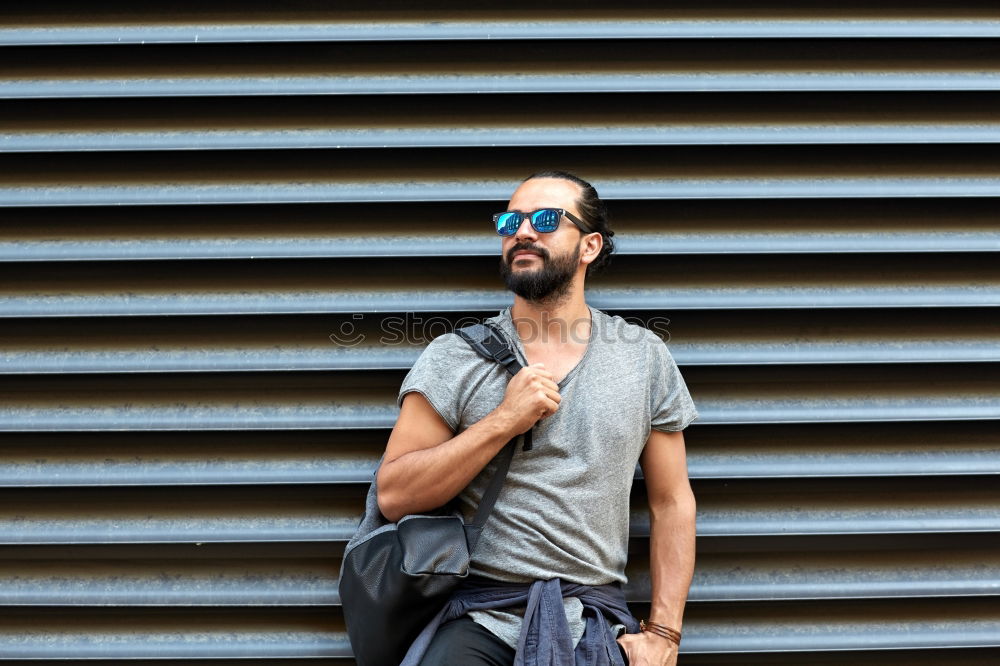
(426, 479)
(671, 557)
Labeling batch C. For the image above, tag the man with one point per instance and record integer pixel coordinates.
(601, 394)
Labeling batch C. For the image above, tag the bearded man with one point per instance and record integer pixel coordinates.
(600, 395)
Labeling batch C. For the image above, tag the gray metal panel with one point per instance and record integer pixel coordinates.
(838, 507)
(201, 124)
(876, 657)
(170, 583)
(122, 516)
(750, 509)
(891, 625)
(353, 176)
(691, 66)
(696, 186)
(660, 227)
(382, 341)
(124, 634)
(762, 133)
(653, 283)
(497, 23)
(818, 576)
(230, 634)
(271, 401)
(313, 582)
(105, 459)
(845, 450)
(806, 208)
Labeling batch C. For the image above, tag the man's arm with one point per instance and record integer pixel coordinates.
(671, 544)
(426, 464)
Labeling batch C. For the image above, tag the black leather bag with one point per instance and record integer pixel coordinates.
(396, 578)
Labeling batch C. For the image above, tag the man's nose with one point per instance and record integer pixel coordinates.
(526, 230)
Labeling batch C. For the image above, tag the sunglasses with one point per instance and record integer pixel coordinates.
(544, 221)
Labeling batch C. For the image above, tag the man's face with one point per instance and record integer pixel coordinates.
(541, 266)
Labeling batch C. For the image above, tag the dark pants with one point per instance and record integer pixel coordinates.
(462, 642)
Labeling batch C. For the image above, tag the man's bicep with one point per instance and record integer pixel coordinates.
(664, 465)
(418, 426)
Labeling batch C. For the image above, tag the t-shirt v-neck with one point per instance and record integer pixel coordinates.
(507, 321)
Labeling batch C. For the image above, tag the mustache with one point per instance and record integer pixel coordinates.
(520, 247)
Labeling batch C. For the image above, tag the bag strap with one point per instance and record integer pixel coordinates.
(492, 345)
(474, 529)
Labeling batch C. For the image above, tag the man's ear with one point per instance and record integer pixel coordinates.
(592, 246)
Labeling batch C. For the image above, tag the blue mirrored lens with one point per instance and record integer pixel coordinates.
(545, 220)
(508, 223)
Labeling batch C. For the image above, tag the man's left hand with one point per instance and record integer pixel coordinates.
(647, 649)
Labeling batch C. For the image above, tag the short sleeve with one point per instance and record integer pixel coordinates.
(671, 406)
(446, 374)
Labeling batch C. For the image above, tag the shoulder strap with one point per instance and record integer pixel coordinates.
(489, 498)
(490, 343)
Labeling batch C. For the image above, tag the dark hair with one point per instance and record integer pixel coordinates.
(594, 212)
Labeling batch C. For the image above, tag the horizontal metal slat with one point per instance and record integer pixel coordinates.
(824, 337)
(449, 230)
(742, 577)
(219, 344)
(141, 27)
(534, 66)
(204, 552)
(842, 627)
(750, 509)
(350, 457)
(636, 283)
(169, 583)
(345, 176)
(660, 227)
(278, 190)
(471, 243)
(125, 138)
(202, 124)
(266, 407)
(875, 657)
(190, 458)
(224, 634)
(271, 401)
(380, 341)
(846, 450)
(165, 516)
(843, 394)
(286, 583)
(849, 507)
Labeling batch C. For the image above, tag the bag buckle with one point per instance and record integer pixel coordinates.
(502, 356)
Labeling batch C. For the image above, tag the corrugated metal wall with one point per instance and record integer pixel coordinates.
(197, 196)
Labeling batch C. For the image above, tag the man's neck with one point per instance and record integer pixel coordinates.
(566, 321)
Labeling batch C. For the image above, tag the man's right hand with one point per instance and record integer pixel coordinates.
(531, 395)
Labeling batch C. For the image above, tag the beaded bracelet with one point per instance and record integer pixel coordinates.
(661, 630)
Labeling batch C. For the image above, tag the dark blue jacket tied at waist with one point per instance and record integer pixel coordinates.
(545, 636)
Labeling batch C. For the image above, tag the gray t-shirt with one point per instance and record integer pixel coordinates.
(564, 508)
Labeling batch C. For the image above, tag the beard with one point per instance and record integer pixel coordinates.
(546, 284)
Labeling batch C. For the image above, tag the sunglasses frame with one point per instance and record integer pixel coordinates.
(531, 220)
